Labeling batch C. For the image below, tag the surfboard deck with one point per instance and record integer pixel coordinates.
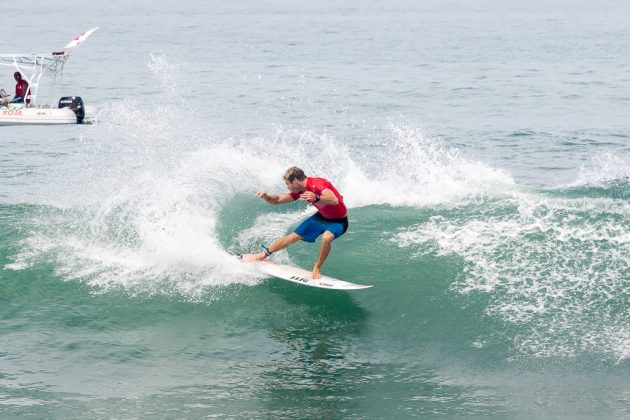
(300, 276)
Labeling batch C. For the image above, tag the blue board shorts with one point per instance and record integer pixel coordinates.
(311, 228)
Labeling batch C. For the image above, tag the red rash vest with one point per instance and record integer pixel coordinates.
(317, 186)
(20, 88)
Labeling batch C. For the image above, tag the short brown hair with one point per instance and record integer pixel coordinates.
(294, 173)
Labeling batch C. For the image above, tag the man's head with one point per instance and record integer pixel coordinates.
(17, 75)
(295, 179)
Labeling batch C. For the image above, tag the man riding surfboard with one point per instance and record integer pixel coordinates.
(330, 221)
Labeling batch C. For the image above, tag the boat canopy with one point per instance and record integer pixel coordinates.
(34, 66)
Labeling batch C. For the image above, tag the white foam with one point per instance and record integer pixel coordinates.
(16, 266)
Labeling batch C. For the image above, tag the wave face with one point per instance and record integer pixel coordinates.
(551, 265)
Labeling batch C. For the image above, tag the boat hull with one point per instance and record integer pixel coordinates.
(43, 116)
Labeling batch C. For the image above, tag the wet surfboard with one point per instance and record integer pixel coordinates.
(300, 276)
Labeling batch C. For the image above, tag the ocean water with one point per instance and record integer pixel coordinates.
(482, 148)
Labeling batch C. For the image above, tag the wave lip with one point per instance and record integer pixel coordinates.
(418, 171)
(602, 168)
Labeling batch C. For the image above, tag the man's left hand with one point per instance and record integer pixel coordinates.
(308, 196)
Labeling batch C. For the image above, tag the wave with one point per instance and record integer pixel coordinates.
(556, 267)
(140, 202)
(153, 201)
(119, 220)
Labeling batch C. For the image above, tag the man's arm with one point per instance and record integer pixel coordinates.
(327, 197)
(275, 199)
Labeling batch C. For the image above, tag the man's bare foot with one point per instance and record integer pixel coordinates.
(254, 257)
(316, 274)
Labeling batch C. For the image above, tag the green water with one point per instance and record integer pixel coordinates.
(414, 344)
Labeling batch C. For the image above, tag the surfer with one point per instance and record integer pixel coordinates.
(330, 221)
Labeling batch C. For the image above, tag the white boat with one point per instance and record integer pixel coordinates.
(68, 110)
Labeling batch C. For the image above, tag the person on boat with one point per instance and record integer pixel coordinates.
(21, 89)
(330, 221)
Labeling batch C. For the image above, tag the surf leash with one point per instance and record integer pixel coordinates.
(266, 250)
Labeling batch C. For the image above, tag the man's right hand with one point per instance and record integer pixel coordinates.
(262, 194)
(274, 199)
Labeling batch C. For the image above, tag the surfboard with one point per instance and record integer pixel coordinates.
(300, 276)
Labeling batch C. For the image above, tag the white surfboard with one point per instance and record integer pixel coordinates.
(301, 276)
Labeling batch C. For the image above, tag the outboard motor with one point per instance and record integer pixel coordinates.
(75, 103)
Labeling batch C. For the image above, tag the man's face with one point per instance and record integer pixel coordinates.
(295, 186)
(18, 77)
